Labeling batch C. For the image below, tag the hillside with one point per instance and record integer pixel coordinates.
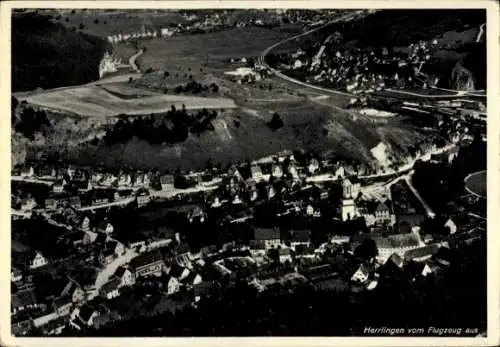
(49, 55)
(455, 30)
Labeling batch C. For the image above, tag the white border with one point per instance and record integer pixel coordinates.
(492, 179)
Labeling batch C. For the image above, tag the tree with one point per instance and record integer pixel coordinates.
(81, 26)
(276, 122)
(367, 250)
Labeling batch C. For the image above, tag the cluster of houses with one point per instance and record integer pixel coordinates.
(361, 71)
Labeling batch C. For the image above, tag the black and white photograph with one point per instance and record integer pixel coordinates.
(249, 172)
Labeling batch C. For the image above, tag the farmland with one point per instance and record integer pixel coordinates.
(312, 121)
(94, 101)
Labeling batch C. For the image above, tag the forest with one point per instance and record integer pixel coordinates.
(49, 55)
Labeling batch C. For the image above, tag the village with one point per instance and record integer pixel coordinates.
(110, 235)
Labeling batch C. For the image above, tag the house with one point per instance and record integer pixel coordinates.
(84, 315)
(37, 260)
(169, 284)
(269, 237)
(183, 255)
(276, 170)
(75, 202)
(178, 272)
(21, 326)
(50, 204)
(147, 264)
(105, 227)
(166, 181)
(351, 188)
(388, 245)
(384, 214)
(125, 276)
(143, 197)
(99, 197)
(313, 166)
(106, 256)
(89, 237)
(285, 255)
(24, 300)
(27, 171)
(256, 172)
(392, 266)
(137, 242)
(116, 246)
(96, 177)
(361, 274)
(28, 204)
(451, 226)
(15, 274)
(299, 237)
(58, 185)
(110, 289)
(42, 317)
(62, 306)
(421, 253)
(339, 172)
(124, 180)
(73, 291)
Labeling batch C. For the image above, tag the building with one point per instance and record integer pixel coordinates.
(350, 189)
(397, 244)
(384, 214)
(169, 284)
(256, 172)
(361, 274)
(269, 237)
(147, 264)
(125, 276)
(110, 289)
(83, 316)
(348, 209)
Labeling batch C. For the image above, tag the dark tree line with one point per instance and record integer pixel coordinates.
(172, 127)
(30, 122)
(49, 55)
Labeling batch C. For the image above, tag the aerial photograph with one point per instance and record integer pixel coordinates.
(248, 172)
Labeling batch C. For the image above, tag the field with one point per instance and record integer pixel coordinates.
(312, 121)
(476, 183)
(112, 22)
(209, 52)
(94, 101)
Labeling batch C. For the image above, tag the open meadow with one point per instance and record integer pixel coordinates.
(94, 101)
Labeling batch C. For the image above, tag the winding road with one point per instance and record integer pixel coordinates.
(132, 60)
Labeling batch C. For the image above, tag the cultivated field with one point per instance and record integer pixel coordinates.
(94, 101)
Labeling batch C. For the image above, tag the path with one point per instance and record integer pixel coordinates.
(415, 192)
(110, 204)
(132, 60)
(480, 33)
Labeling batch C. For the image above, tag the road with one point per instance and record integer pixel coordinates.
(110, 204)
(132, 60)
(415, 192)
(278, 74)
(480, 33)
